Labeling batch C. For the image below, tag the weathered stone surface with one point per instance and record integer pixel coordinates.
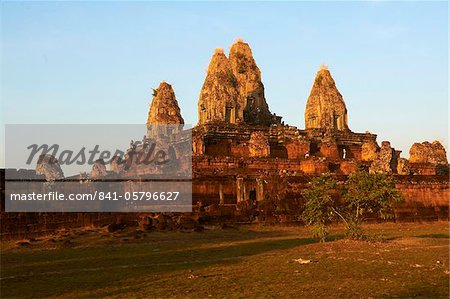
(198, 145)
(325, 108)
(186, 222)
(369, 151)
(384, 161)
(259, 145)
(442, 169)
(145, 222)
(164, 222)
(426, 152)
(251, 89)
(348, 166)
(117, 164)
(329, 148)
(98, 169)
(403, 167)
(164, 109)
(219, 96)
(423, 168)
(48, 166)
(298, 148)
(314, 166)
(164, 117)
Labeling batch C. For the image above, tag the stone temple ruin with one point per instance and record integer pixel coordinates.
(238, 143)
(242, 152)
(234, 119)
(235, 123)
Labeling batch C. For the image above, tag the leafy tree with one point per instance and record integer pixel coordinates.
(365, 194)
(320, 205)
(369, 194)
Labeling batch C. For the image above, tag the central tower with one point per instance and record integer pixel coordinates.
(233, 91)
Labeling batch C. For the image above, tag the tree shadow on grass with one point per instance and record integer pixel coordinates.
(425, 291)
(434, 236)
(198, 259)
(164, 241)
(78, 275)
(335, 237)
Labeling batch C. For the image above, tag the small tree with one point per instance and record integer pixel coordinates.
(320, 205)
(365, 194)
(368, 194)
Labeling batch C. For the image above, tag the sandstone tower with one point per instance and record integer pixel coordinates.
(218, 100)
(250, 87)
(164, 110)
(325, 108)
(233, 91)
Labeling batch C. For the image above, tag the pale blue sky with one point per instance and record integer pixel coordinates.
(96, 62)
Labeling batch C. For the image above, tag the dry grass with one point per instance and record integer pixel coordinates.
(411, 260)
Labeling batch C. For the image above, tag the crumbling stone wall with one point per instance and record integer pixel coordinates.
(403, 167)
(369, 151)
(424, 199)
(329, 148)
(298, 149)
(386, 161)
(31, 225)
(258, 145)
(426, 152)
(99, 169)
(48, 166)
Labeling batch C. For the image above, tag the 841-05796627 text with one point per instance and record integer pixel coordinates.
(97, 195)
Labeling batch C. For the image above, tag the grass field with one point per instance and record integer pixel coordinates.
(410, 260)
